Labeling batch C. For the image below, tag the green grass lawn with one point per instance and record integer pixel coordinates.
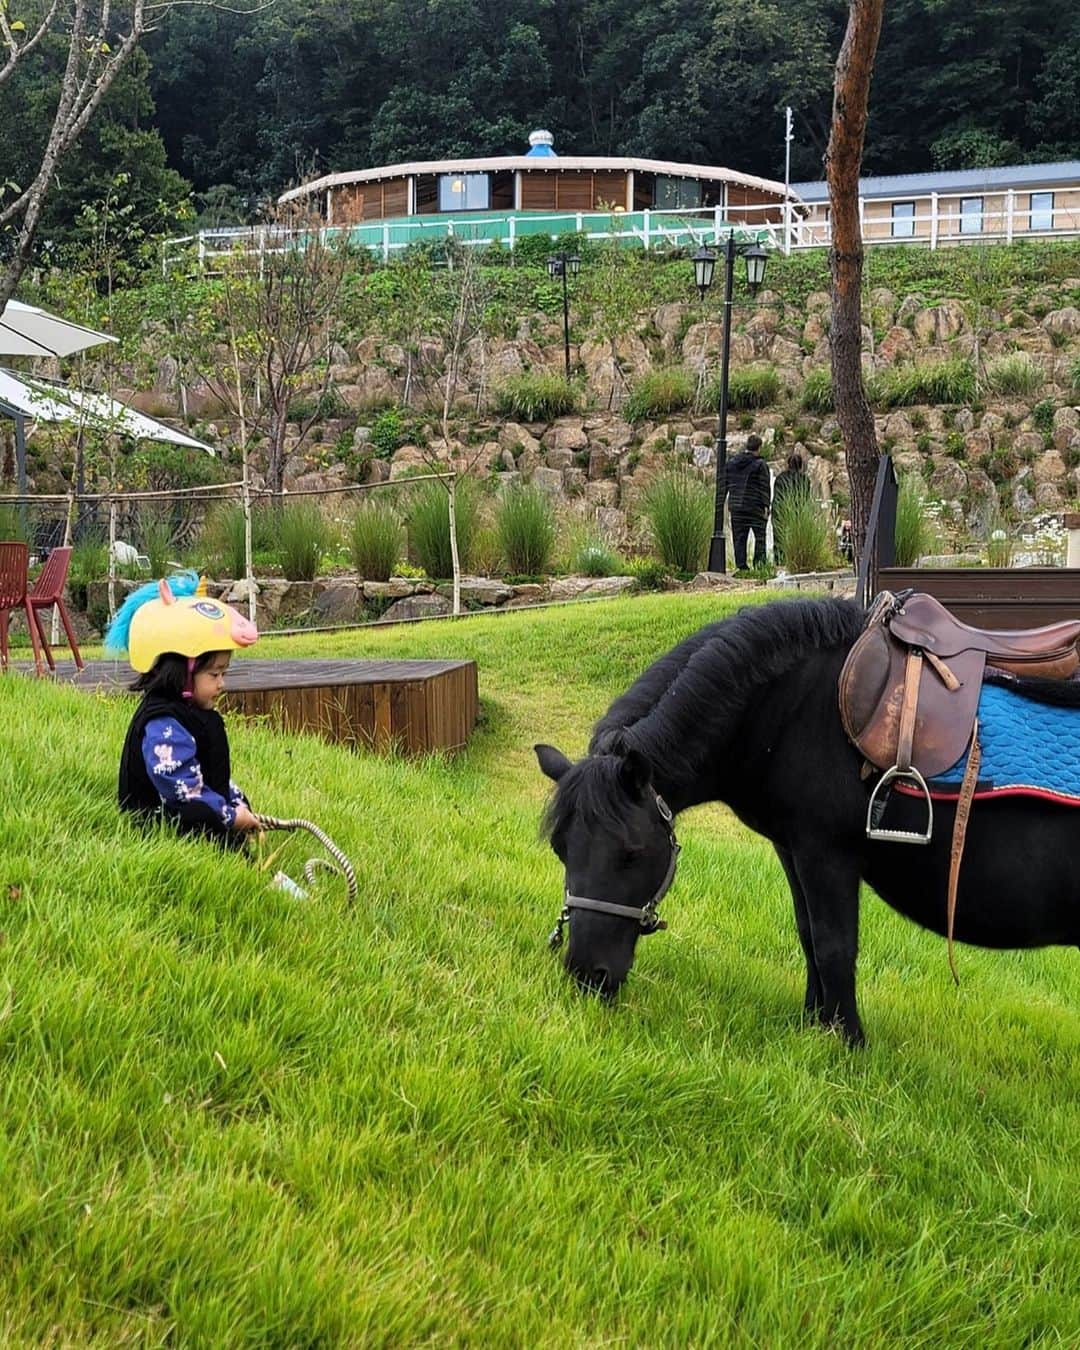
(228, 1118)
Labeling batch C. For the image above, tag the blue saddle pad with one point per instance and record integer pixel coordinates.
(1027, 748)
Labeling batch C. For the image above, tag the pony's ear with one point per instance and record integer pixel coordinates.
(635, 772)
(165, 593)
(552, 762)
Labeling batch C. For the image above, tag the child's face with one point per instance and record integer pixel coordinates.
(210, 681)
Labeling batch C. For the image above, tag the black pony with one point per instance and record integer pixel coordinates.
(745, 712)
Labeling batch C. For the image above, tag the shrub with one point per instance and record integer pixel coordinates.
(804, 533)
(1043, 416)
(525, 524)
(750, 387)
(679, 509)
(428, 523)
(649, 573)
(89, 558)
(1016, 373)
(387, 433)
(913, 534)
(376, 536)
(222, 541)
(536, 396)
(304, 538)
(658, 392)
(951, 381)
(816, 393)
(11, 526)
(1074, 376)
(594, 557)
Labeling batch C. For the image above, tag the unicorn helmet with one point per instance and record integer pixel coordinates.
(176, 616)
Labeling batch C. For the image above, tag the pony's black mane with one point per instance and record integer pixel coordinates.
(685, 704)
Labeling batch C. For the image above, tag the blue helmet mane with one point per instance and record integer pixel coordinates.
(116, 635)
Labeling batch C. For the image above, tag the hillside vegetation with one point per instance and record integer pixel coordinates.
(229, 1118)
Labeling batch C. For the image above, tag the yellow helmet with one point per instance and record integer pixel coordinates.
(188, 625)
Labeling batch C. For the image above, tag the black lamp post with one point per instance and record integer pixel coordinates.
(704, 261)
(560, 265)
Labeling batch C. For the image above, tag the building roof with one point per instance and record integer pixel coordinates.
(534, 164)
(954, 180)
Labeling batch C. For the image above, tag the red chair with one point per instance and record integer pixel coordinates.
(47, 591)
(13, 596)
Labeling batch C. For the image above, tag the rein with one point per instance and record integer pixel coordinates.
(341, 863)
(646, 915)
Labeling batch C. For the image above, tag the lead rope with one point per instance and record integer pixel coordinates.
(340, 864)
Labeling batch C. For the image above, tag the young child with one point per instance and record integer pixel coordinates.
(175, 761)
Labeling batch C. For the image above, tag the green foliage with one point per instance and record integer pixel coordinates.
(948, 381)
(221, 543)
(914, 535)
(748, 387)
(679, 509)
(536, 396)
(387, 433)
(658, 392)
(376, 539)
(525, 524)
(157, 542)
(1043, 416)
(1074, 376)
(11, 526)
(595, 558)
(428, 522)
(816, 393)
(1015, 373)
(89, 558)
(304, 538)
(650, 573)
(803, 531)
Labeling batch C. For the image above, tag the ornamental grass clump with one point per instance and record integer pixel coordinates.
(428, 525)
(1016, 374)
(304, 538)
(914, 534)
(804, 533)
(376, 537)
(221, 544)
(950, 381)
(816, 395)
(658, 392)
(525, 526)
(536, 396)
(679, 509)
(748, 387)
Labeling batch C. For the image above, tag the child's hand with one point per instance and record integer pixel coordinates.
(245, 819)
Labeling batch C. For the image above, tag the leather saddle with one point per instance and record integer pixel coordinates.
(909, 690)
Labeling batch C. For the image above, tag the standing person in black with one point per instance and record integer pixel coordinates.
(749, 493)
(792, 481)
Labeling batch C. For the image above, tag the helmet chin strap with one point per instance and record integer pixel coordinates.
(189, 686)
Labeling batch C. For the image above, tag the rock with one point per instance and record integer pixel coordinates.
(1023, 500)
(418, 607)
(704, 456)
(574, 481)
(515, 438)
(883, 299)
(964, 420)
(567, 433)
(572, 588)
(377, 471)
(818, 300)
(909, 307)
(407, 459)
(478, 591)
(1063, 321)
(394, 589)
(1066, 438)
(611, 523)
(528, 592)
(559, 459)
(712, 581)
(935, 326)
(239, 592)
(339, 603)
(549, 481)
(898, 427)
(361, 436)
(1050, 468)
(602, 492)
(897, 344)
(682, 447)
(948, 481)
(1029, 443)
(1048, 497)
(668, 318)
(599, 462)
(1067, 417)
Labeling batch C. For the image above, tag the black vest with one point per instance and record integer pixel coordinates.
(137, 792)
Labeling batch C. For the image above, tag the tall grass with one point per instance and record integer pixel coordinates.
(679, 509)
(525, 526)
(304, 538)
(816, 395)
(803, 532)
(658, 392)
(1016, 374)
(428, 523)
(231, 1119)
(376, 538)
(536, 396)
(914, 534)
(11, 526)
(748, 387)
(221, 544)
(157, 540)
(949, 381)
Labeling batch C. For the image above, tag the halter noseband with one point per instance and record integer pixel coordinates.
(646, 915)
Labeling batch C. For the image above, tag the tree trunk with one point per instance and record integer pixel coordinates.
(275, 452)
(843, 161)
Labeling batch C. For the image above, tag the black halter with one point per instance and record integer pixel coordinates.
(647, 915)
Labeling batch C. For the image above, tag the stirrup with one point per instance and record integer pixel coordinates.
(892, 775)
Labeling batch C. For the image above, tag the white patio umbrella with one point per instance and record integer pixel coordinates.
(28, 331)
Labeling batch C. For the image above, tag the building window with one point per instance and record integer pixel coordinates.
(1042, 211)
(464, 192)
(903, 220)
(971, 213)
(677, 194)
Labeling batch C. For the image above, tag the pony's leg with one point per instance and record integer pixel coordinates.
(830, 886)
(814, 999)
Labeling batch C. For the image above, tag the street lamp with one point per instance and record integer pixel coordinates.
(561, 265)
(704, 261)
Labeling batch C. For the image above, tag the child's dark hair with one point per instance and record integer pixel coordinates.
(169, 674)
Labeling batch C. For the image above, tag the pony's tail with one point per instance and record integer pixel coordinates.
(117, 633)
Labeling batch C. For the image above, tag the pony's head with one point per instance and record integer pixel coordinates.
(613, 834)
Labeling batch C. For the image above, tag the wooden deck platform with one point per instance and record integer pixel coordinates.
(415, 706)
